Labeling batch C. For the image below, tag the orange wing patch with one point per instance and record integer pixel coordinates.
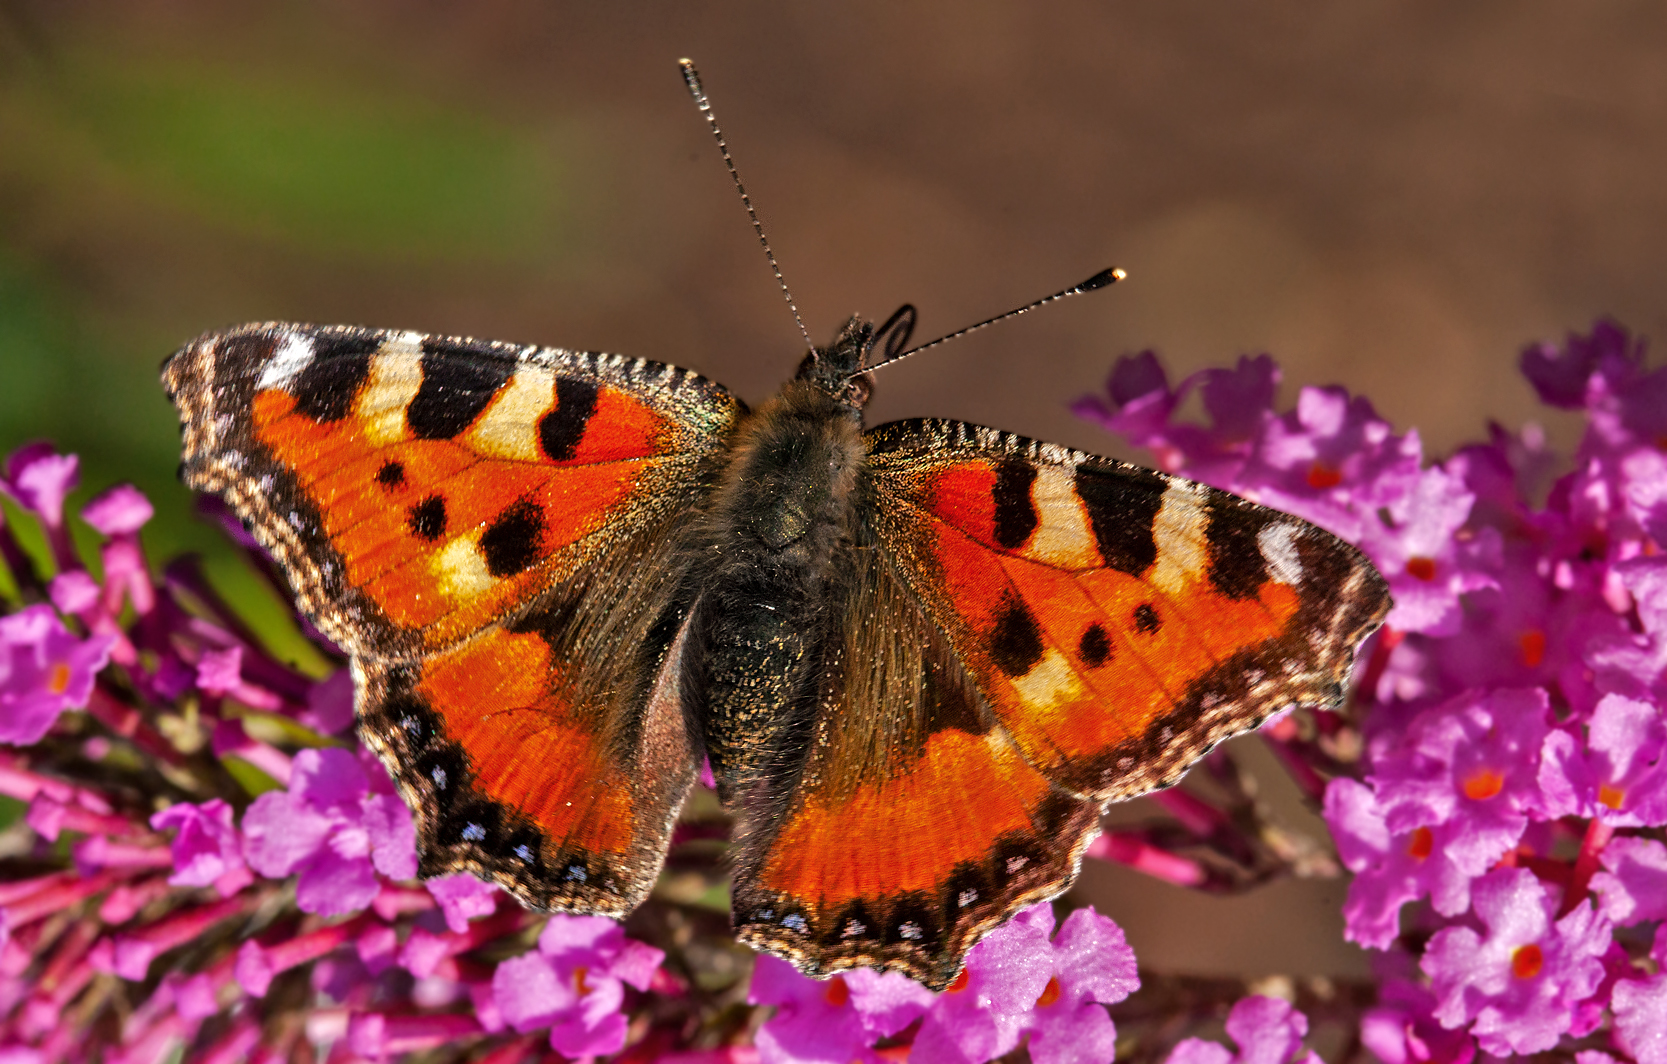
(499, 697)
(906, 833)
(451, 498)
(1081, 658)
(913, 866)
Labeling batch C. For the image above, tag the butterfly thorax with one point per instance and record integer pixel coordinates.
(781, 514)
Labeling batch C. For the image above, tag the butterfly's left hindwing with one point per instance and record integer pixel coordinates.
(489, 531)
(910, 823)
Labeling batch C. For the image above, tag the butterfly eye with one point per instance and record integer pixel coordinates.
(858, 390)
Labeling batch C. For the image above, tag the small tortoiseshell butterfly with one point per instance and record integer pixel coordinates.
(920, 659)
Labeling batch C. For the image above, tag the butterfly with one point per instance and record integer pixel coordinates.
(919, 659)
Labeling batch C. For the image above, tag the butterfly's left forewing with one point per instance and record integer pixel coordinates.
(490, 531)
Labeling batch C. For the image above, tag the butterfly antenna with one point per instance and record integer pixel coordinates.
(1100, 280)
(691, 78)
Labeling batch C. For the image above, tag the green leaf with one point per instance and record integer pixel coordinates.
(250, 778)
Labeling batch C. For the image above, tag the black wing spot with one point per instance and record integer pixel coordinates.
(1237, 568)
(560, 431)
(967, 887)
(427, 519)
(328, 384)
(1017, 856)
(1094, 648)
(1121, 508)
(458, 382)
(391, 475)
(1146, 619)
(512, 543)
(444, 766)
(853, 922)
(1016, 641)
(408, 712)
(913, 921)
(1015, 516)
(479, 823)
(525, 844)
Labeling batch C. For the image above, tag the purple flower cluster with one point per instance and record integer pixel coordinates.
(175, 930)
(1022, 983)
(1504, 818)
(1267, 1030)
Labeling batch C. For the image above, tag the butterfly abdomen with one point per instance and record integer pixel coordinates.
(765, 559)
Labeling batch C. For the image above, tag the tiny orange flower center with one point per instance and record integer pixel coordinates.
(1483, 784)
(1050, 993)
(1527, 961)
(959, 984)
(1532, 645)
(1422, 843)
(1322, 476)
(837, 993)
(58, 681)
(1421, 568)
(1611, 795)
(579, 983)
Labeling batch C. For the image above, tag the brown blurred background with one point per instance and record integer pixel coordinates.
(1393, 196)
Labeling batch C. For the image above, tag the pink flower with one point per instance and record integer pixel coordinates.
(1427, 567)
(40, 478)
(1019, 982)
(1562, 375)
(207, 850)
(1633, 885)
(44, 670)
(462, 897)
(1620, 776)
(1517, 983)
(1391, 868)
(1267, 1030)
(830, 1021)
(339, 823)
(118, 511)
(1401, 1029)
(1641, 1018)
(574, 984)
(1640, 1007)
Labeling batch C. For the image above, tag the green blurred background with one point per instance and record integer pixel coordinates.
(1390, 195)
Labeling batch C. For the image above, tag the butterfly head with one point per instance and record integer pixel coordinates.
(838, 368)
(842, 369)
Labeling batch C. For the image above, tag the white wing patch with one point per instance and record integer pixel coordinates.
(1062, 537)
(1278, 543)
(395, 377)
(1051, 682)
(509, 427)
(1179, 531)
(292, 356)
